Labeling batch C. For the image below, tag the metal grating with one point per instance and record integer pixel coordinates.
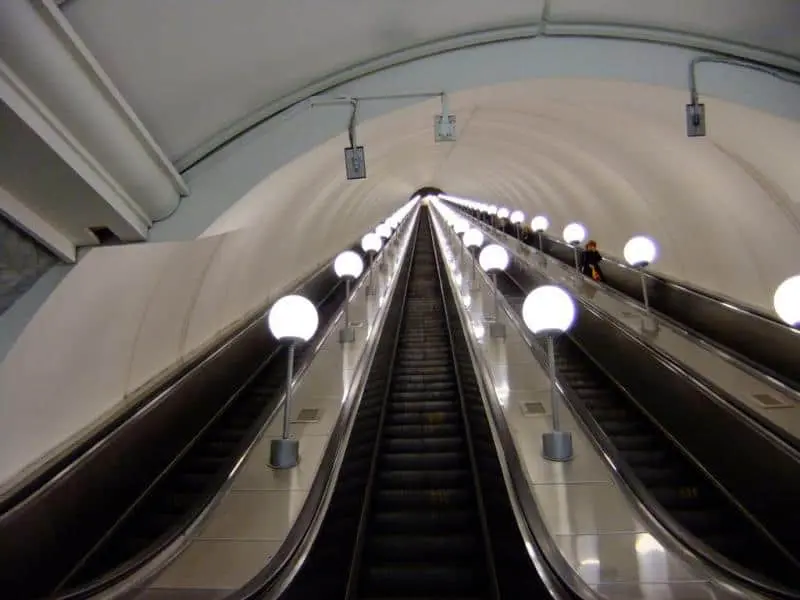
(308, 415)
(532, 409)
(767, 401)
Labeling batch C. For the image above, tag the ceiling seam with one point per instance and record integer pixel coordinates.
(621, 32)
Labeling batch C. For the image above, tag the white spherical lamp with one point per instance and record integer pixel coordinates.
(540, 223)
(516, 217)
(371, 242)
(383, 231)
(493, 258)
(492, 209)
(786, 301)
(574, 234)
(640, 251)
(503, 213)
(460, 226)
(548, 309)
(348, 264)
(473, 238)
(293, 318)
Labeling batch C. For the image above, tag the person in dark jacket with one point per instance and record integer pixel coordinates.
(590, 263)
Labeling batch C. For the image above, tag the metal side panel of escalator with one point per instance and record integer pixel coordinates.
(135, 491)
(673, 444)
(420, 508)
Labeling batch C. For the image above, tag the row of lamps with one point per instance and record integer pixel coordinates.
(547, 311)
(639, 252)
(294, 319)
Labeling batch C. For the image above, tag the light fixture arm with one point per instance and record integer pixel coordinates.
(351, 127)
(737, 62)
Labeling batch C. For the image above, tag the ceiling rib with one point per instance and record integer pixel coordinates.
(609, 31)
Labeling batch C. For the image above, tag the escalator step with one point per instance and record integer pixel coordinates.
(428, 479)
(409, 500)
(424, 548)
(426, 461)
(432, 444)
(409, 578)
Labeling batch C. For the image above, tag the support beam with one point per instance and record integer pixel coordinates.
(45, 124)
(43, 51)
(37, 227)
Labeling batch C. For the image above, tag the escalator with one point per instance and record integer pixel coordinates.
(84, 562)
(175, 499)
(408, 517)
(757, 339)
(651, 459)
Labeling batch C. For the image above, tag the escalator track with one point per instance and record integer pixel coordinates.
(668, 476)
(178, 496)
(420, 508)
(754, 338)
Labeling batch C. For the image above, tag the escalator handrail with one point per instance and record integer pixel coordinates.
(136, 562)
(763, 427)
(689, 288)
(355, 563)
(279, 572)
(634, 490)
(151, 562)
(558, 576)
(58, 468)
(763, 373)
(626, 482)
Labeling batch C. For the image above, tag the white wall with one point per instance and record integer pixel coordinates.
(126, 315)
(585, 130)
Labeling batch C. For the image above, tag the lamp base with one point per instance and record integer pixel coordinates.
(649, 324)
(557, 446)
(284, 453)
(497, 331)
(347, 335)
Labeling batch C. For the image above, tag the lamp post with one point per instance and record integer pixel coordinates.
(786, 301)
(292, 320)
(574, 234)
(502, 214)
(492, 210)
(516, 218)
(549, 310)
(473, 239)
(348, 266)
(494, 258)
(459, 228)
(639, 252)
(370, 244)
(539, 225)
(384, 232)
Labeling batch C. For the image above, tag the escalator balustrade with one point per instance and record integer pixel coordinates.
(170, 504)
(428, 515)
(670, 478)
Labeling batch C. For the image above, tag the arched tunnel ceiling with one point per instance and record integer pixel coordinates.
(194, 69)
(611, 154)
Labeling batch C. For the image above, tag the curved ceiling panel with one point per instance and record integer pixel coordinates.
(192, 68)
(615, 157)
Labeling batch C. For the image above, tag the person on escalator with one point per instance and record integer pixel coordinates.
(590, 262)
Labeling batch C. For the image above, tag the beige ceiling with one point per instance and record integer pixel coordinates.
(614, 155)
(194, 70)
